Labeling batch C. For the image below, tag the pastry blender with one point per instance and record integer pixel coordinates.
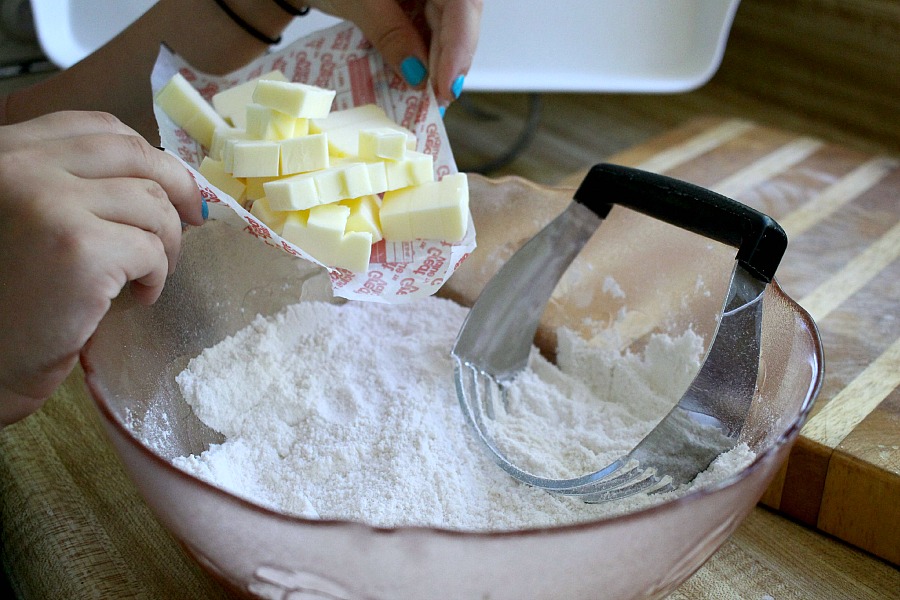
(495, 340)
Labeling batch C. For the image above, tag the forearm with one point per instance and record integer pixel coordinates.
(116, 78)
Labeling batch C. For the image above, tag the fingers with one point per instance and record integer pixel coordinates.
(104, 156)
(61, 125)
(455, 25)
(87, 207)
(139, 257)
(96, 145)
(450, 27)
(139, 203)
(393, 34)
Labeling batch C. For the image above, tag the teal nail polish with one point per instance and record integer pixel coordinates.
(442, 110)
(457, 86)
(414, 71)
(204, 209)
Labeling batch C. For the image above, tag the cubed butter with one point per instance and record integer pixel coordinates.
(378, 177)
(320, 232)
(215, 173)
(364, 215)
(382, 143)
(295, 192)
(296, 99)
(349, 116)
(273, 218)
(436, 210)
(189, 110)
(264, 123)
(305, 153)
(376, 172)
(255, 158)
(354, 252)
(255, 188)
(231, 103)
(331, 185)
(222, 135)
(341, 181)
(417, 168)
(343, 128)
(357, 180)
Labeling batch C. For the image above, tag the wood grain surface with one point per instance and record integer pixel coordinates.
(841, 211)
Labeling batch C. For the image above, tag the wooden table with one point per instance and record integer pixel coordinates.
(74, 526)
(841, 211)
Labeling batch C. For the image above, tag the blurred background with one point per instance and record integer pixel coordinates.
(603, 77)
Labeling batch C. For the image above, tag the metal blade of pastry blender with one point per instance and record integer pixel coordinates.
(498, 333)
(710, 415)
(496, 338)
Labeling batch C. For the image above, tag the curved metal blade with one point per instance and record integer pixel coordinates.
(498, 333)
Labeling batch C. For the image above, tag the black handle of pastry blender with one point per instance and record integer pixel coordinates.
(761, 242)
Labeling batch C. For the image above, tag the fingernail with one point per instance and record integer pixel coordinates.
(442, 110)
(457, 86)
(204, 208)
(413, 70)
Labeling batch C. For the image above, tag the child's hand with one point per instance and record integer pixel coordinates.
(86, 206)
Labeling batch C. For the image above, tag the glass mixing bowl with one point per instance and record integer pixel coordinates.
(226, 277)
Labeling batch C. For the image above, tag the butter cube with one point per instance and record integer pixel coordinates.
(189, 110)
(255, 158)
(344, 126)
(255, 188)
(273, 218)
(342, 181)
(228, 151)
(331, 185)
(350, 116)
(295, 229)
(437, 210)
(215, 173)
(296, 99)
(417, 168)
(320, 232)
(364, 215)
(356, 180)
(222, 135)
(296, 192)
(377, 176)
(264, 123)
(382, 143)
(306, 153)
(231, 103)
(354, 252)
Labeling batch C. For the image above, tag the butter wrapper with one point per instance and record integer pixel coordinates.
(341, 59)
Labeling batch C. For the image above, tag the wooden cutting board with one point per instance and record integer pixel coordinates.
(841, 211)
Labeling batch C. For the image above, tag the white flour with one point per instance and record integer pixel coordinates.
(351, 412)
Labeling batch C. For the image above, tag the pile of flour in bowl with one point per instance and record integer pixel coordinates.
(350, 412)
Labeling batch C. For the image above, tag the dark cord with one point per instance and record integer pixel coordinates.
(247, 26)
(291, 9)
(529, 130)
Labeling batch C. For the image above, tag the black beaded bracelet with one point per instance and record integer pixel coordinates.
(247, 26)
(291, 9)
